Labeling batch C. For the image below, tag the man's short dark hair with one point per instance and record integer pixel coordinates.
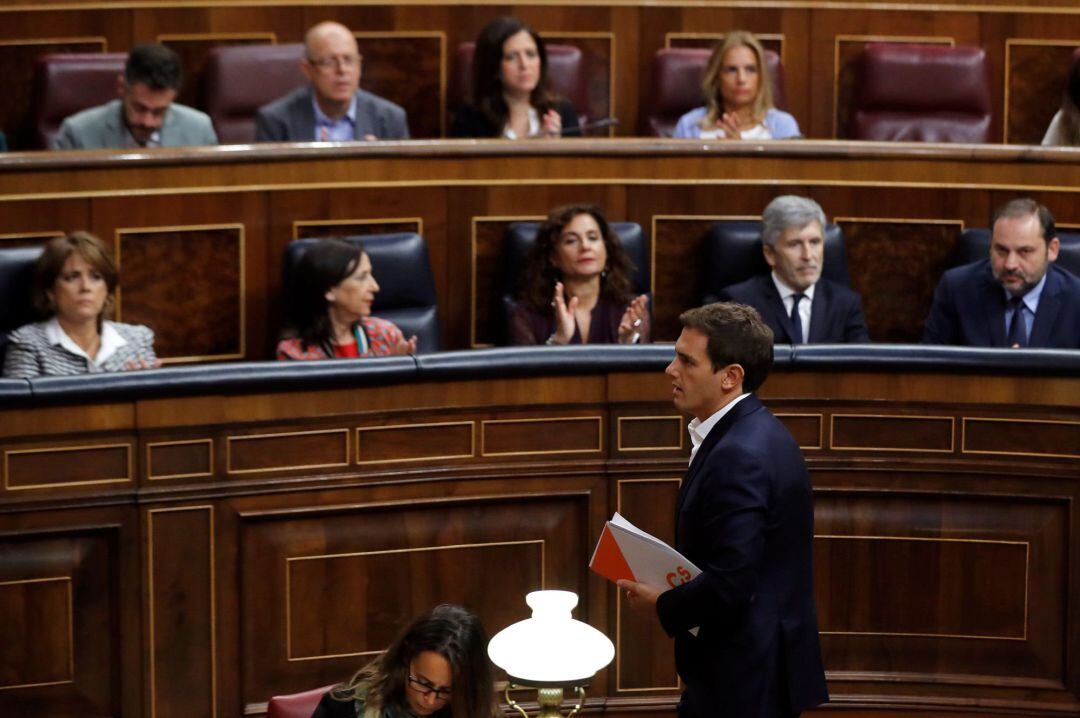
(736, 335)
(1024, 207)
(154, 65)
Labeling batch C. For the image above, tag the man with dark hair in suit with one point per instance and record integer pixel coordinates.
(332, 108)
(794, 300)
(745, 517)
(1017, 297)
(145, 114)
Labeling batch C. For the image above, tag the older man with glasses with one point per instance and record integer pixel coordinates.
(332, 107)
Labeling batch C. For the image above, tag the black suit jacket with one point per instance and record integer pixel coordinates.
(969, 310)
(471, 122)
(836, 314)
(292, 118)
(745, 517)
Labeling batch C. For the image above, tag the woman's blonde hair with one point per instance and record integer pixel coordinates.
(710, 83)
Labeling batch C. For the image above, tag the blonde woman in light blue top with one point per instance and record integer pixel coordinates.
(739, 97)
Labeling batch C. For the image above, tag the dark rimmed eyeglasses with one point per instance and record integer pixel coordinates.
(426, 689)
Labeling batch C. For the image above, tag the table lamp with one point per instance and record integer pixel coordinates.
(550, 652)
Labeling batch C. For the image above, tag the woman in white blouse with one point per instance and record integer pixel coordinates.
(74, 282)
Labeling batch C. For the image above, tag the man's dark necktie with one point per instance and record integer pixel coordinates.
(1017, 326)
(796, 319)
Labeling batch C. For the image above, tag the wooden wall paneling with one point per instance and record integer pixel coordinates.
(896, 307)
(70, 612)
(87, 463)
(189, 326)
(192, 268)
(644, 660)
(598, 50)
(17, 60)
(440, 441)
(924, 562)
(408, 68)
(181, 611)
(488, 325)
(325, 588)
(33, 222)
(194, 49)
(1035, 75)
(346, 211)
(1020, 437)
(653, 434)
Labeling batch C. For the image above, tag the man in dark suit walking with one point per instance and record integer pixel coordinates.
(1017, 297)
(797, 303)
(745, 517)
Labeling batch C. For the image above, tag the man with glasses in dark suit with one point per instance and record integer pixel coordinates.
(332, 107)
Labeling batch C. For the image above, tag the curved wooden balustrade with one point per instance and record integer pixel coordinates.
(194, 540)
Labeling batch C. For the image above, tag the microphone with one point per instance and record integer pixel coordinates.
(600, 124)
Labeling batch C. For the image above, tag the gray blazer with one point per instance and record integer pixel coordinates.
(29, 353)
(292, 118)
(102, 127)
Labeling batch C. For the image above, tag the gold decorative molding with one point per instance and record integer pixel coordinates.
(892, 417)
(58, 449)
(297, 224)
(70, 632)
(405, 427)
(289, 560)
(253, 437)
(679, 431)
(1033, 422)
(151, 602)
(821, 427)
(542, 420)
(150, 460)
(241, 290)
(925, 539)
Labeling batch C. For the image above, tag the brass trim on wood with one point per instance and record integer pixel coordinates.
(1035, 454)
(686, 218)
(779, 36)
(203, 36)
(472, 442)
(150, 602)
(250, 437)
(242, 289)
(85, 39)
(619, 600)
(821, 428)
(678, 419)
(50, 450)
(150, 464)
(832, 432)
(927, 539)
(1009, 42)
(542, 543)
(71, 632)
(540, 420)
(298, 223)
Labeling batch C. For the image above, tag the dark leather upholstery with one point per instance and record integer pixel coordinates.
(732, 253)
(16, 280)
(974, 245)
(519, 239)
(296, 705)
(927, 357)
(240, 79)
(676, 86)
(66, 83)
(921, 93)
(406, 295)
(568, 75)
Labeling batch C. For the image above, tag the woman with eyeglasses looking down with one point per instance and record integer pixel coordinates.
(510, 93)
(75, 280)
(438, 666)
(332, 291)
(738, 96)
(577, 285)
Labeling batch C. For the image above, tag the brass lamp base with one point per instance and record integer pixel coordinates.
(550, 700)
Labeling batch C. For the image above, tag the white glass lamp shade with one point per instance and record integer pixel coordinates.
(551, 648)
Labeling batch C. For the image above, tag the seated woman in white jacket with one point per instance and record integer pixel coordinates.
(739, 97)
